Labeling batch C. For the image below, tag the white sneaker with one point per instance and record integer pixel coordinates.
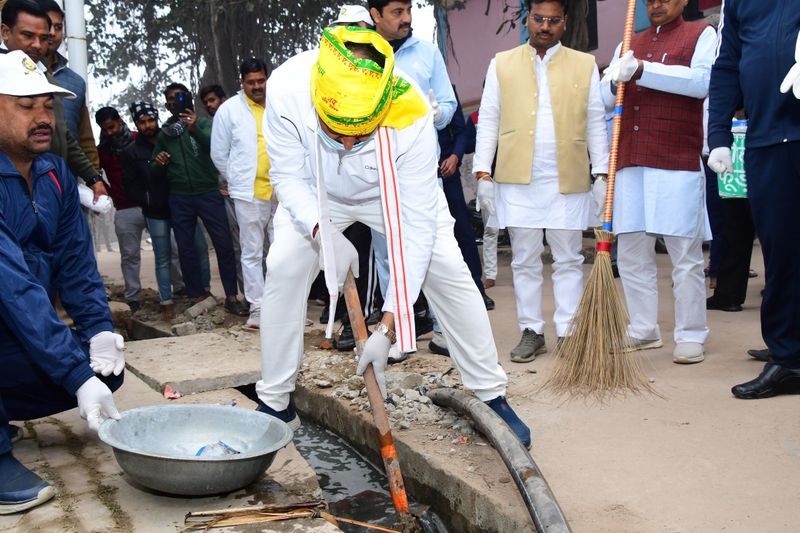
(254, 320)
(687, 353)
(396, 356)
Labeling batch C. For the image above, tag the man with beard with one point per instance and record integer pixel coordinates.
(26, 27)
(45, 248)
(543, 115)
(212, 97)
(239, 151)
(128, 219)
(153, 196)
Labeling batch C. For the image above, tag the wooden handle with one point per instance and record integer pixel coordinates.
(388, 451)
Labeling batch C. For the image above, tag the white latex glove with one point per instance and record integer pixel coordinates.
(344, 253)
(485, 197)
(95, 403)
(792, 79)
(376, 353)
(106, 354)
(622, 70)
(599, 188)
(437, 112)
(720, 161)
(86, 196)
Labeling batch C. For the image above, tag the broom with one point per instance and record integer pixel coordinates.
(595, 360)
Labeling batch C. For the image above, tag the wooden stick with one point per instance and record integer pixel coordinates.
(388, 451)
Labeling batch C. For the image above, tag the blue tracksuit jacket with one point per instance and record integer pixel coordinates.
(46, 248)
(756, 52)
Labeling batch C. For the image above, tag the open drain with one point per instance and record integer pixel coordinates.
(353, 486)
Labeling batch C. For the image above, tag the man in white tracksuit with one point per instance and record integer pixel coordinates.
(239, 152)
(359, 147)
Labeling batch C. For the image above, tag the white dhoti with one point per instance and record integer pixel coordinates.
(650, 202)
(292, 265)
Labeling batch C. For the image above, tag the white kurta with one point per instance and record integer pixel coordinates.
(666, 202)
(539, 204)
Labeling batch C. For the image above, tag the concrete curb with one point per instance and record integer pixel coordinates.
(428, 478)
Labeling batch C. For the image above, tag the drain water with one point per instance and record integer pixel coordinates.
(353, 487)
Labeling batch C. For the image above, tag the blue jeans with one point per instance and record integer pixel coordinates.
(167, 270)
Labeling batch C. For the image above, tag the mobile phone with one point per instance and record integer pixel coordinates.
(183, 101)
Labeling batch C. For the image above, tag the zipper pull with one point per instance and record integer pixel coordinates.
(35, 208)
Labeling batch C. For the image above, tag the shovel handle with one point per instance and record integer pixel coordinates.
(388, 451)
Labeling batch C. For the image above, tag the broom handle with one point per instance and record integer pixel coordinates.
(388, 451)
(614, 152)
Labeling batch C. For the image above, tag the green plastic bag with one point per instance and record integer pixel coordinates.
(734, 184)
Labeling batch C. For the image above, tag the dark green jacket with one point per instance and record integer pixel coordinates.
(190, 170)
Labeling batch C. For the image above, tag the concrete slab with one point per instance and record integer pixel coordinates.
(93, 494)
(196, 363)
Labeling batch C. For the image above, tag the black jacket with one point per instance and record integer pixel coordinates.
(149, 191)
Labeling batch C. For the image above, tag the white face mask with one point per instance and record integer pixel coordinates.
(339, 147)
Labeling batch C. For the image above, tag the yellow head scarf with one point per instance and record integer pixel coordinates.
(353, 96)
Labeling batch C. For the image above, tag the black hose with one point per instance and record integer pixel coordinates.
(539, 499)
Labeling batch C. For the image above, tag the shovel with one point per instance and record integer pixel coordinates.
(406, 522)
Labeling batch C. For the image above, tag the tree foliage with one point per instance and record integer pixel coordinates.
(152, 43)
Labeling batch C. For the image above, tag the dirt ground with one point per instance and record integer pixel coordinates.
(695, 459)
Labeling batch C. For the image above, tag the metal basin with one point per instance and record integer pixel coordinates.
(156, 446)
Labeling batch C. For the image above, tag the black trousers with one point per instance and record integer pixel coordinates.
(773, 183)
(462, 228)
(738, 232)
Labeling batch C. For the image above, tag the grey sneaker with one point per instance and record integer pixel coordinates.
(643, 344)
(530, 345)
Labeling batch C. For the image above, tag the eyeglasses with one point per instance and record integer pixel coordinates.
(662, 2)
(554, 21)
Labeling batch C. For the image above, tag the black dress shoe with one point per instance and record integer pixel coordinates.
(712, 304)
(488, 302)
(772, 381)
(762, 355)
(346, 342)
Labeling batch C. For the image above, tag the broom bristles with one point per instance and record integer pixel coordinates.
(595, 359)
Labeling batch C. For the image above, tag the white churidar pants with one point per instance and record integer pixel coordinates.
(254, 219)
(636, 260)
(526, 268)
(292, 265)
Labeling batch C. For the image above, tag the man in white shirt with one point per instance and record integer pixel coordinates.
(239, 151)
(359, 147)
(542, 110)
(660, 185)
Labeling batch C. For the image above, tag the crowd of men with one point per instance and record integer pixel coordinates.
(347, 158)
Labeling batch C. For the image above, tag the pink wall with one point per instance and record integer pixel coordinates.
(475, 44)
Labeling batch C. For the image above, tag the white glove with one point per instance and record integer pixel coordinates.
(485, 197)
(344, 254)
(599, 188)
(622, 70)
(95, 403)
(106, 354)
(720, 161)
(86, 196)
(437, 112)
(376, 353)
(792, 79)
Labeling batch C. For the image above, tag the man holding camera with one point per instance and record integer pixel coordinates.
(182, 156)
